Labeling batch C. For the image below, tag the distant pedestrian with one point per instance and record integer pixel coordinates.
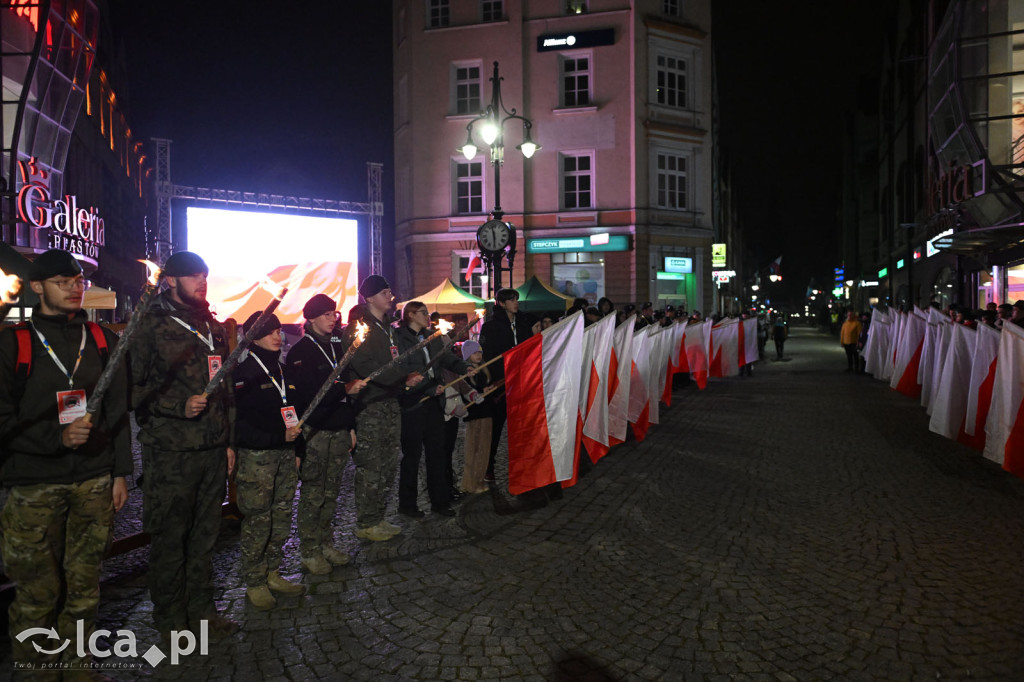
(605, 306)
(780, 331)
(849, 335)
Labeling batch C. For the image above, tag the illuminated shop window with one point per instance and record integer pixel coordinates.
(469, 188)
(577, 181)
(575, 72)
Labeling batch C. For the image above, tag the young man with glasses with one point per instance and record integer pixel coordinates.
(66, 475)
(328, 433)
(423, 425)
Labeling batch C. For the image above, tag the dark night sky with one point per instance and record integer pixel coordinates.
(294, 99)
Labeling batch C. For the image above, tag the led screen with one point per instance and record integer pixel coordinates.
(308, 255)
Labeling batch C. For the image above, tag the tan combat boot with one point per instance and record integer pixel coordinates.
(278, 584)
(261, 598)
(316, 565)
(335, 556)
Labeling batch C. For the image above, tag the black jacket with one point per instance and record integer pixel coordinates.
(258, 421)
(310, 361)
(406, 338)
(30, 433)
(375, 352)
(496, 337)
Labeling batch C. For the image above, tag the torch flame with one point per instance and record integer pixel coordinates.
(361, 331)
(153, 272)
(479, 313)
(10, 287)
(444, 326)
(273, 288)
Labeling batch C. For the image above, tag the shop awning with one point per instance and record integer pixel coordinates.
(536, 295)
(448, 298)
(982, 240)
(98, 298)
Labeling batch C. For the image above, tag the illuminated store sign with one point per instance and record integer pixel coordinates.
(597, 242)
(73, 229)
(718, 255)
(561, 41)
(678, 264)
(929, 246)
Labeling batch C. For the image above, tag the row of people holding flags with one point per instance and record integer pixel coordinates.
(970, 380)
(571, 386)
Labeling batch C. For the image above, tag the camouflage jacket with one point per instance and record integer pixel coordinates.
(169, 365)
(375, 352)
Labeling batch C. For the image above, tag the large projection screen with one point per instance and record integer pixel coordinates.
(306, 254)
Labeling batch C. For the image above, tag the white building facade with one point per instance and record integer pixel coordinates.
(620, 97)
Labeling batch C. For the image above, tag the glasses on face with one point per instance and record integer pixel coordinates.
(333, 314)
(421, 312)
(69, 284)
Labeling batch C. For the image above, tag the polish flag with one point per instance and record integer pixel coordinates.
(908, 355)
(474, 263)
(697, 353)
(949, 406)
(639, 397)
(661, 340)
(944, 339)
(725, 349)
(877, 346)
(932, 335)
(619, 369)
(1004, 429)
(598, 339)
(675, 342)
(542, 392)
(748, 341)
(894, 345)
(979, 391)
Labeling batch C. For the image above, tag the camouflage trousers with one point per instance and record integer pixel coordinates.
(266, 490)
(376, 460)
(55, 535)
(181, 497)
(321, 471)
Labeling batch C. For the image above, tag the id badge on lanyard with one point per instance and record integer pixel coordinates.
(71, 405)
(290, 417)
(213, 362)
(394, 352)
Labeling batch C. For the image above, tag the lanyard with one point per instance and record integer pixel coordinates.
(387, 330)
(81, 349)
(515, 337)
(332, 358)
(281, 388)
(206, 340)
(430, 370)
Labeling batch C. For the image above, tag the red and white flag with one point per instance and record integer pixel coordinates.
(1004, 429)
(908, 355)
(949, 406)
(661, 351)
(889, 367)
(639, 394)
(619, 369)
(877, 347)
(697, 353)
(598, 339)
(748, 341)
(943, 341)
(979, 391)
(725, 349)
(932, 342)
(542, 391)
(676, 356)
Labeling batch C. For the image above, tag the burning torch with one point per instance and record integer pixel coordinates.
(357, 340)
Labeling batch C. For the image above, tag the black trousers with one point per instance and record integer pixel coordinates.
(852, 362)
(497, 424)
(423, 431)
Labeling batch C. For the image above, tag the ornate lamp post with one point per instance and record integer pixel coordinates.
(496, 238)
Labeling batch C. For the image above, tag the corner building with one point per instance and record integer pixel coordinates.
(620, 97)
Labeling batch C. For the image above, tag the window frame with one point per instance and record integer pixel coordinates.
(484, 9)
(443, 9)
(672, 8)
(456, 181)
(657, 173)
(575, 57)
(657, 70)
(563, 176)
(459, 272)
(455, 82)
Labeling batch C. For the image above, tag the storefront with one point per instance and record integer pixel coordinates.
(578, 263)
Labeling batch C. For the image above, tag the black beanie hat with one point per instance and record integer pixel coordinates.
(53, 263)
(373, 285)
(271, 325)
(317, 306)
(185, 263)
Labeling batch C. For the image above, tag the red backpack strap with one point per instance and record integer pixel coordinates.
(23, 361)
(100, 338)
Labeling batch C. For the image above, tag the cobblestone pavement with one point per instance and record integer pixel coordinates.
(800, 524)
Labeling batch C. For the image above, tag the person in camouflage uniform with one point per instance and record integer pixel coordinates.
(65, 481)
(378, 416)
(186, 453)
(327, 432)
(266, 477)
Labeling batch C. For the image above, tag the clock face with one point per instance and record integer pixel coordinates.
(493, 236)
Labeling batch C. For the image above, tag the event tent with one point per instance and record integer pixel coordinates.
(536, 295)
(447, 298)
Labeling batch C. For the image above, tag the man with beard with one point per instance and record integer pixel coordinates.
(327, 433)
(378, 415)
(186, 449)
(65, 474)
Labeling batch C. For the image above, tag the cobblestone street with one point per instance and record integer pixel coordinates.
(800, 524)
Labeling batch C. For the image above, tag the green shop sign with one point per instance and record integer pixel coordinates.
(597, 242)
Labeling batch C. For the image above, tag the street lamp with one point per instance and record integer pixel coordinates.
(497, 238)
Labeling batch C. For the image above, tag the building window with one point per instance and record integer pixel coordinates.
(671, 81)
(577, 181)
(476, 285)
(465, 89)
(575, 6)
(671, 181)
(575, 81)
(491, 10)
(469, 187)
(671, 7)
(438, 13)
